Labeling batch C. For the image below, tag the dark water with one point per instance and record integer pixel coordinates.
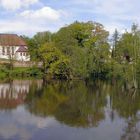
(76, 110)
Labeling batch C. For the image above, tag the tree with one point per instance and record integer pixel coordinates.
(36, 42)
(55, 64)
(115, 39)
(86, 46)
(127, 53)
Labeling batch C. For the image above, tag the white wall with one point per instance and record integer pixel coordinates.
(21, 58)
(17, 55)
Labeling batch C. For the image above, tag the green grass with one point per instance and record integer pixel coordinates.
(2, 75)
(19, 72)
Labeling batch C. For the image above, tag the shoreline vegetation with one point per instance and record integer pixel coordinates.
(82, 50)
(20, 72)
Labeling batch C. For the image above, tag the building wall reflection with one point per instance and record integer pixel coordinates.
(14, 93)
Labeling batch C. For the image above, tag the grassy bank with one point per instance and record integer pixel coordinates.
(19, 72)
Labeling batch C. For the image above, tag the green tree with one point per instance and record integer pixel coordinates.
(115, 39)
(86, 46)
(55, 64)
(127, 53)
(36, 42)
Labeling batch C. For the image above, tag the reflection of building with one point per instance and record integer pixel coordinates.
(13, 94)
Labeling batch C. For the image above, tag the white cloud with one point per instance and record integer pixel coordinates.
(111, 26)
(16, 4)
(43, 13)
(116, 9)
(117, 14)
(111, 13)
(21, 26)
(29, 22)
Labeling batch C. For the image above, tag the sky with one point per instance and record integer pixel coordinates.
(27, 17)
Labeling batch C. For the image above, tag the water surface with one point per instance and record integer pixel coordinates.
(75, 110)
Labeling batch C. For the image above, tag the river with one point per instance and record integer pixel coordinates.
(74, 110)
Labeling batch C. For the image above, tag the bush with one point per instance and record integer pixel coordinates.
(5, 72)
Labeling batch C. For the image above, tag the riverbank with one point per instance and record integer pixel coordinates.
(20, 72)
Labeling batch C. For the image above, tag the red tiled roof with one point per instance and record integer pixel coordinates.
(22, 49)
(11, 40)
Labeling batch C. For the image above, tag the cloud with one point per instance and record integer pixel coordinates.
(117, 10)
(16, 4)
(111, 13)
(117, 14)
(20, 27)
(30, 21)
(43, 13)
(111, 26)
(52, 14)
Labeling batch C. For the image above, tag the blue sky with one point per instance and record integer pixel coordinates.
(30, 16)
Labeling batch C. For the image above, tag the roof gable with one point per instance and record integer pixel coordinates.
(22, 49)
(11, 40)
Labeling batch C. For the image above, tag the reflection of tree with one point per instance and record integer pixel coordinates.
(43, 104)
(132, 130)
(125, 101)
(70, 102)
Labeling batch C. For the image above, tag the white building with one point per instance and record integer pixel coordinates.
(13, 47)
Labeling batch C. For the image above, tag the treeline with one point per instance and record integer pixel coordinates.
(83, 50)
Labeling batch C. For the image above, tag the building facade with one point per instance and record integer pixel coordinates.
(13, 47)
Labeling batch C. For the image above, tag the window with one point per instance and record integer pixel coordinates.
(12, 50)
(21, 54)
(8, 50)
(3, 50)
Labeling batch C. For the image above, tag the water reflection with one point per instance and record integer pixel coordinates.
(75, 110)
(14, 93)
(132, 130)
(71, 103)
